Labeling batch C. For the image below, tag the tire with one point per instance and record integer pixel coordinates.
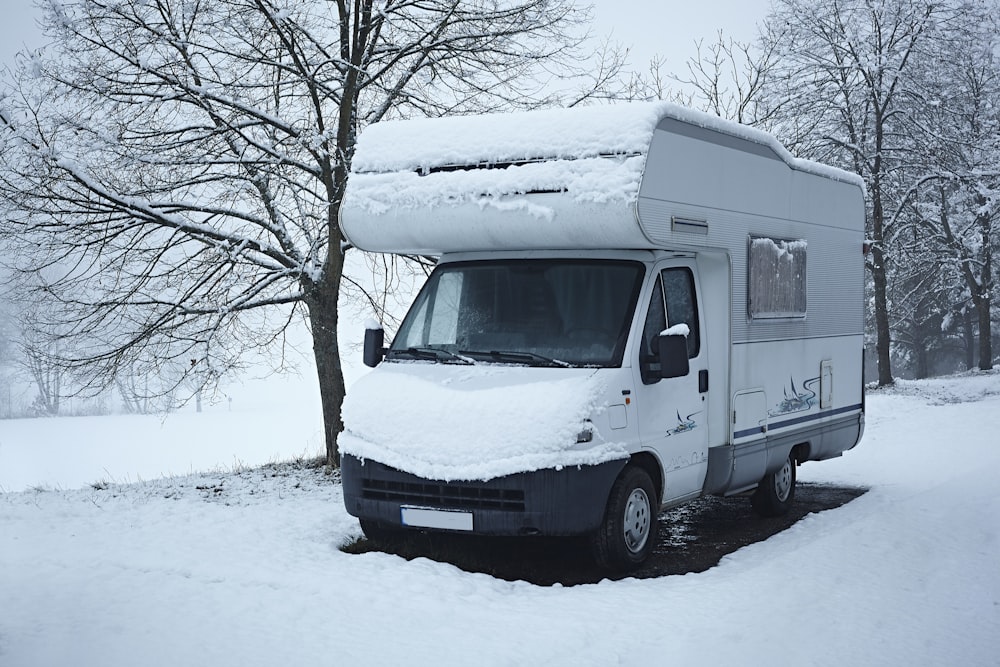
(775, 493)
(627, 534)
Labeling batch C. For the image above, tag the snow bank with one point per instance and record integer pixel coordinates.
(266, 420)
(460, 423)
(971, 386)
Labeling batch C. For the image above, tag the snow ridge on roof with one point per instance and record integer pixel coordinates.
(548, 179)
(423, 144)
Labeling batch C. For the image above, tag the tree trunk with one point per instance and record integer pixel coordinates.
(883, 335)
(985, 334)
(322, 304)
(921, 362)
(981, 290)
(969, 338)
(986, 301)
(882, 332)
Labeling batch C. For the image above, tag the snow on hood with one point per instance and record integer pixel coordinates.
(461, 423)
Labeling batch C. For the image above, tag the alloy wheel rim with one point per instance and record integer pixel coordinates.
(783, 481)
(637, 520)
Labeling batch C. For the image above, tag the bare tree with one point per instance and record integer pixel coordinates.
(728, 79)
(47, 376)
(176, 167)
(956, 122)
(8, 358)
(844, 67)
(926, 300)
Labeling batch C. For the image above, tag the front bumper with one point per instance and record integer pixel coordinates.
(569, 501)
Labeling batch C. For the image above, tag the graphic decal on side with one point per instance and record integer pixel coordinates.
(684, 424)
(795, 400)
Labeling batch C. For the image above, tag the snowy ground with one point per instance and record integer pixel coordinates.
(268, 420)
(243, 567)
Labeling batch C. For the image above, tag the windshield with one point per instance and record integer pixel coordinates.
(531, 312)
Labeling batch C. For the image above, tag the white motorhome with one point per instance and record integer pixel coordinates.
(633, 306)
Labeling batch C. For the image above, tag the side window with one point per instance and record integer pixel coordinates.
(673, 302)
(656, 321)
(682, 307)
(776, 285)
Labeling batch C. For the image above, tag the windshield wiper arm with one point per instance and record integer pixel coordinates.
(512, 357)
(432, 354)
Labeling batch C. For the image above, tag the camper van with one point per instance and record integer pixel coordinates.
(632, 306)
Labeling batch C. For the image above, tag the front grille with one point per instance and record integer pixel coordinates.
(451, 496)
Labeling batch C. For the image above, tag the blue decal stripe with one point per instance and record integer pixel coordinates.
(798, 420)
(746, 432)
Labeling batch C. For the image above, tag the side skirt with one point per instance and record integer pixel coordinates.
(737, 468)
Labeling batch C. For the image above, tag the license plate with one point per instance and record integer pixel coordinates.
(422, 517)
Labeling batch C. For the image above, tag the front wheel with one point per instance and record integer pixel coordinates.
(627, 535)
(776, 491)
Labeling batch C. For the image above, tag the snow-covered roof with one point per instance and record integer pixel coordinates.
(426, 144)
(416, 184)
(490, 139)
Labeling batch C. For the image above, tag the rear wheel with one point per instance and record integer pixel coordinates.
(628, 533)
(775, 493)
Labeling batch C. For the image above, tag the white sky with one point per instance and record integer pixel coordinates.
(17, 29)
(671, 27)
(666, 27)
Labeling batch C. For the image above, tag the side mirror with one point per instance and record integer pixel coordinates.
(673, 355)
(374, 350)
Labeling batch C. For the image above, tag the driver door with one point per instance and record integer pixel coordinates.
(673, 412)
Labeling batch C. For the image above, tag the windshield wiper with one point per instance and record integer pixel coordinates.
(431, 354)
(510, 357)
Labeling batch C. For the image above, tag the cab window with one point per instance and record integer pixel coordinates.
(673, 301)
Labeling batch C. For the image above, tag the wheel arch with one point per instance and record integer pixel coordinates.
(800, 452)
(779, 453)
(648, 462)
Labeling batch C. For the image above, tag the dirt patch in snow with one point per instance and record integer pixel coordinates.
(692, 538)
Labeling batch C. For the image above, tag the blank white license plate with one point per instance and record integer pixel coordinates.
(421, 517)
